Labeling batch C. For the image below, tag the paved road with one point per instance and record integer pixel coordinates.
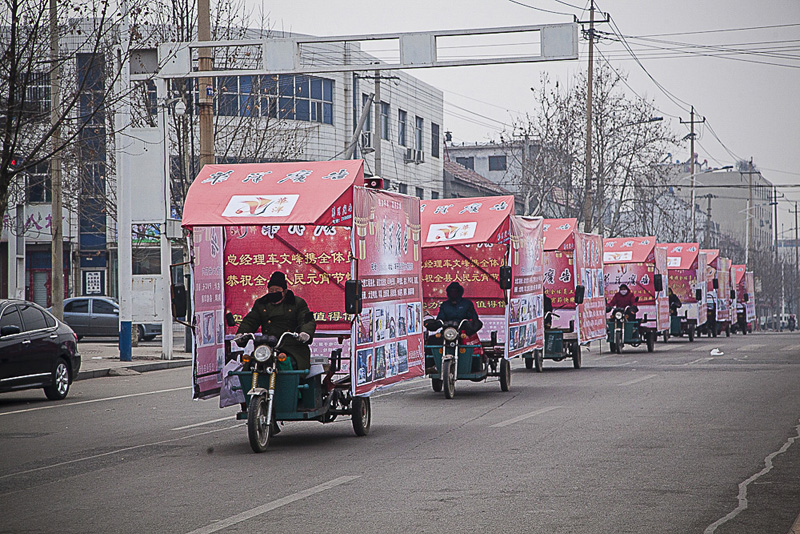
(675, 441)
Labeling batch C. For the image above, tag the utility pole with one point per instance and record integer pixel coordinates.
(56, 226)
(691, 123)
(775, 218)
(796, 258)
(378, 131)
(205, 86)
(588, 202)
(707, 243)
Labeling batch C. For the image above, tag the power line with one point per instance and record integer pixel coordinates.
(721, 30)
(541, 9)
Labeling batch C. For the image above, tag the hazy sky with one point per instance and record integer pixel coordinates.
(748, 93)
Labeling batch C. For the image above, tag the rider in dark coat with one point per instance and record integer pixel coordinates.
(279, 311)
(456, 308)
(674, 303)
(623, 299)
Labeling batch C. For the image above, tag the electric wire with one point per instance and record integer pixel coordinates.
(541, 9)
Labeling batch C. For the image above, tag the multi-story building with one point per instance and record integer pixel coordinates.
(315, 117)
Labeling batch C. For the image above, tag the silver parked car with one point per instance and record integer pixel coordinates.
(99, 317)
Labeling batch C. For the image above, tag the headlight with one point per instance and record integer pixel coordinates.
(618, 315)
(450, 333)
(262, 353)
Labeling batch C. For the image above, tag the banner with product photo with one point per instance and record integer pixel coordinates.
(208, 357)
(589, 269)
(525, 310)
(388, 342)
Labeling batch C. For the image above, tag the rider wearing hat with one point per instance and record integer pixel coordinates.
(279, 311)
(456, 308)
(623, 299)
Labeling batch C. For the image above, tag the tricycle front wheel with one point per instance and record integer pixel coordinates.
(362, 415)
(576, 355)
(258, 431)
(449, 377)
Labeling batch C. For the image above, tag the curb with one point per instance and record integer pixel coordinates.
(139, 368)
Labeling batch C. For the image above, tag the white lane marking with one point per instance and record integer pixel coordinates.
(699, 360)
(742, 497)
(749, 347)
(631, 363)
(790, 348)
(392, 392)
(117, 451)
(523, 417)
(51, 406)
(202, 424)
(264, 508)
(637, 380)
(602, 357)
(701, 348)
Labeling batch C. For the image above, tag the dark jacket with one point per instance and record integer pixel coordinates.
(456, 311)
(674, 304)
(290, 315)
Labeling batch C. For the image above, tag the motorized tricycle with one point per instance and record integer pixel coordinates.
(453, 353)
(682, 325)
(623, 327)
(275, 392)
(559, 343)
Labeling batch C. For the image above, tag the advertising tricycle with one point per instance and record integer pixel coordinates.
(573, 283)
(349, 264)
(478, 244)
(744, 284)
(720, 294)
(641, 266)
(687, 281)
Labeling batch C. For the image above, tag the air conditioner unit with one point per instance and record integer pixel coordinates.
(409, 157)
(419, 156)
(366, 139)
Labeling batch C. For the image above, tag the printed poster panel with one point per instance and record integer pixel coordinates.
(525, 312)
(589, 266)
(639, 279)
(662, 297)
(724, 291)
(477, 268)
(388, 334)
(559, 286)
(683, 283)
(315, 260)
(702, 313)
(750, 305)
(208, 358)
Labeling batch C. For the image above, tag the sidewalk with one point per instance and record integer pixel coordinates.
(101, 358)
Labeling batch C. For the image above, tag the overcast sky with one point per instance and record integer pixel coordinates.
(748, 93)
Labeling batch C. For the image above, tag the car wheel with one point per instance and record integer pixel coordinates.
(149, 338)
(140, 333)
(60, 382)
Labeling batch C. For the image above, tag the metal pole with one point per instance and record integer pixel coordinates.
(56, 225)
(691, 170)
(124, 206)
(166, 249)
(588, 202)
(378, 131)
(354, 140)
(205, 86)
(747, 235)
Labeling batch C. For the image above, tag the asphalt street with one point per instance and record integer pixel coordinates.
(675, 441)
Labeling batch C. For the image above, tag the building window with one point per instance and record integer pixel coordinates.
(418, 126)
(386, 184)
(420, 192)
(403, 188)
(467, 162)
(37, 92)
(401, 127)
(434, 195)
(39, 189)
(384, 120)
(497, 163)
(434, 140)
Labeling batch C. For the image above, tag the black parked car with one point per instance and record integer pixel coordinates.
(36, 350)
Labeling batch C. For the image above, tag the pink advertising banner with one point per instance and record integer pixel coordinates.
(388, 344)
(724, 301)
(750, 305)
(208, 357)
(525, 312)
(589, 268)
(559, 286)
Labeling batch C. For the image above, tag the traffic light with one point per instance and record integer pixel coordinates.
(374, 183)
(15, 163)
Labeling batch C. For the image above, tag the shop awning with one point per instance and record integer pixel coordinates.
(682, 255)
(558, 234)
(316, 193)
(461, 221)
(628, 249)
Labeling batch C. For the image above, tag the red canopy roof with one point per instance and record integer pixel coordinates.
(558, 233)
(738, 272)
(628, 249)
(319, 193)
(711, 254)
(682, 255)
(461, 221)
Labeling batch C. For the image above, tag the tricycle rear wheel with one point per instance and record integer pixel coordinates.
(528, 360)
(257, 429)
(651, 341)
(436, 384)
(449, 377)
(576, 355)
(505, 375)
(362, 415)
(538, 357)
(691, 334)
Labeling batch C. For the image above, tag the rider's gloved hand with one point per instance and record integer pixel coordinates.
(303, 337)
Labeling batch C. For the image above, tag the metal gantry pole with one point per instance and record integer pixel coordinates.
(162, 97)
